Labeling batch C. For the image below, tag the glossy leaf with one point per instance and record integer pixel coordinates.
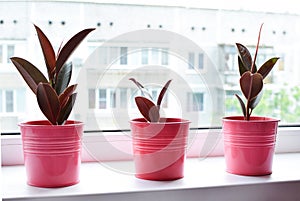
(148, 109)
(254, 102)
(245, 57)
(162, 93)
(142, 88)
(63, 78)
(242, 68)
(251, 84)
(69, 47)
(267, 66)
(66, 109)
(63, 97)
(48, 101)
(242, 104)
(48, 52)
(31, 74)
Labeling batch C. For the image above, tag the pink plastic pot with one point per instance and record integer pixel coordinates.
(249, 145)
(52, 154)
(159, 148)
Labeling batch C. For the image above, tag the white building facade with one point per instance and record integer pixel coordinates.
(194, 47)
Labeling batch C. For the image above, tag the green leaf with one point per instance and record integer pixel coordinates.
(251, 84)
(63, 97)
(242, 104)
(66, 109)
(31, 74)
(48, 52)
(162, 93)
(69, 47)
(147, 108)
(63, 78)
(267, 66)
(48, 102)
(245, 57)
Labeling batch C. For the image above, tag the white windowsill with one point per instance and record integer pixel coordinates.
(204, 180)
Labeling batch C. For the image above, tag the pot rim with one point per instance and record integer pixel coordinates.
(253, 119)
(168, 120)
(46, 123)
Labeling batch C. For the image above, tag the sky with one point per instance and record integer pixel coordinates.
(281, 6)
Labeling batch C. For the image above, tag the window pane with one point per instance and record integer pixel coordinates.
(9, 100)
(191, 60)
(144, 56)
(198, 101)
(123, 59)
(1, 53)
(200, 61)
(123, 97)
(102, 99)
(10, 52)
(112, 99)
(164, 57)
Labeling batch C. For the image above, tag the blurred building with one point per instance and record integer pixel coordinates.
(194, 47)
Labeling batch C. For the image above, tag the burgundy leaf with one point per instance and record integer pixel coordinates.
(162, 93)
(63, 97)
(267, 66)
(69, 47)
(31, 74)
(63, 78)
(66, 109)
(48, 101)
(251, 84)
(245, 57)
(148, 109)
(142, 88)
(242, 68)
(254, 101)
(48, 52)
(242, 105)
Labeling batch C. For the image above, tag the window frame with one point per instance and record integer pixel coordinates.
(103, 144)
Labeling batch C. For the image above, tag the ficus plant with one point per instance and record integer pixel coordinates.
(145, 103)
(251, 80)
(54, 95)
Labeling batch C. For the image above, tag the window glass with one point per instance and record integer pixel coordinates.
(102, 99)
(191, 60)
(1, 53)
(10, 52)
(191, 43)
(9, 101)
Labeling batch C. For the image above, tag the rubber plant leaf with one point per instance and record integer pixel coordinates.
(64, 96)
(242, 104)
(147, 108)
(31, 74)
(254, 102)
(142, 88)
(162, 93)
(251, 84)
(267, 66)
(69, 47)
(245, 57)
(48, 52)
(48, 102)
(242, 68)
(63, 78)
(66, 109)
